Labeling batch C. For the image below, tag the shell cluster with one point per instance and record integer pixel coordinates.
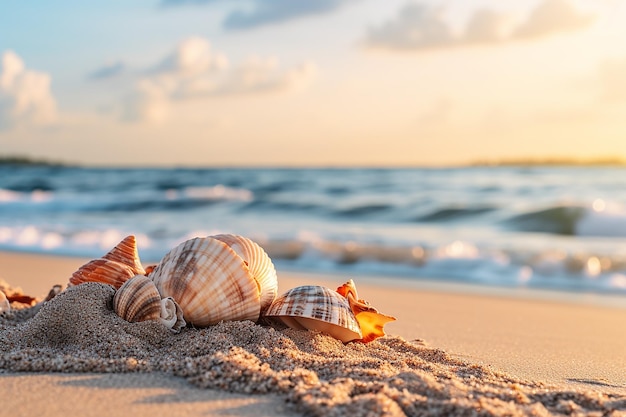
(205, 280)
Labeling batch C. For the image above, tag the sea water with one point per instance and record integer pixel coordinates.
(546, 227)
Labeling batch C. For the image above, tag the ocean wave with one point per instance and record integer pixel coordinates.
(282, 206)
(188, 198)
(572, 221)
(453, 213)
(30, 185)
(363, 210)
(560, 220)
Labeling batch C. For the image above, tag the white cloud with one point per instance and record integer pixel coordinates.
(149, 103)
(192, 57)
(418, 26)
(485, 26)
(25, 96)
(552, 16)
(194, 70)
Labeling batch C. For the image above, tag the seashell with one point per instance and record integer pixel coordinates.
(54, 291)
(209, 281)
(259, 264)
(4, 303)
(370, 320)
(138, 300)
(316, 308)
(116, 267)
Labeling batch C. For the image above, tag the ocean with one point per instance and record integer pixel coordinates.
(558, 228)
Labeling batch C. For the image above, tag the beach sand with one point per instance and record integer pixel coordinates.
(454, 350)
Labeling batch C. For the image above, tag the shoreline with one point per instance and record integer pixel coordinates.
(573, 345)
(61, 266)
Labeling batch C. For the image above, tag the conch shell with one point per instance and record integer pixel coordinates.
(138, 300)
(370, 320)
(4, 303)
(212, 282)
(339, 313)
(116, 267)
(319, 308)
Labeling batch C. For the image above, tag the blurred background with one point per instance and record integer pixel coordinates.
(316, 82)
(478, 141)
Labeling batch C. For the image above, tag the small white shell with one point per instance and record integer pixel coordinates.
(139, 300)
(209, 281)
(116, 267)
(316, 308)
(4, 303)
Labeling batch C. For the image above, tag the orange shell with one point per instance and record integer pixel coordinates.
(116, 267)
(370, 320)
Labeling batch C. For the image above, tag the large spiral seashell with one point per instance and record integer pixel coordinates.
(319, 308)
(259, 264)
(4, 303)
(211, 281)
(116, 267)
(138, 300)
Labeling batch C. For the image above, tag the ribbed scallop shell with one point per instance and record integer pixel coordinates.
(4, 303)
(209, 281)
(259, 263)
(316, 308)
(139, 300)
(116, 267)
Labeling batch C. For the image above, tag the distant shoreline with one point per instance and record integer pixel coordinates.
(17, 160)
(608, 162)
(28, 161)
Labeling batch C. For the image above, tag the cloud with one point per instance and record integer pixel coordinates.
(193, 70)
(149, 102)
(265, 12)
(108, 71)
(552, 16)
(25, 96)
(418, 26)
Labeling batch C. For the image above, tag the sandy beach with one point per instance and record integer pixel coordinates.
(453, 350)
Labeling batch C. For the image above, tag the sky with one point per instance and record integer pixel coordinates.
(312, 82)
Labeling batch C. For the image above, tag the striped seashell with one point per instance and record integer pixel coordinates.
(371, 322)
(139, 300)
(209, 281)
(116, 267)
(259, 264)
(4, 303)
(316, 308)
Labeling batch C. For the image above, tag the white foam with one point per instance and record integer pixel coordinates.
(7, 196)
